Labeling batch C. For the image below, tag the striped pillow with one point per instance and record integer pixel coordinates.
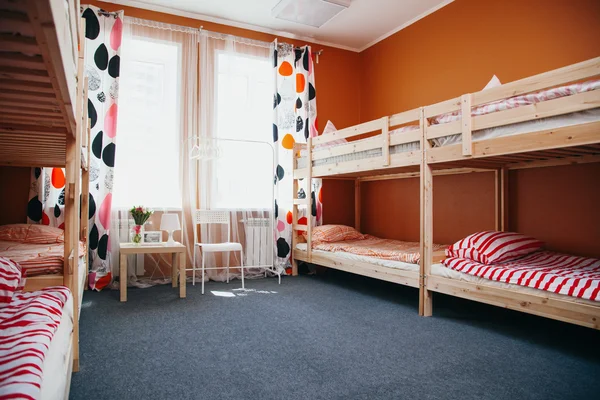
(32, 234)
(493, 247)
(335, 233)
(11, 280)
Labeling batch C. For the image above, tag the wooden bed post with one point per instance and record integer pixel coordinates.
(503, 199)
(357, 204)
(309, 200)
(426, 178)
(294, 216)
(73, 190)
(385, 132)
(467, 123)
(85, 198)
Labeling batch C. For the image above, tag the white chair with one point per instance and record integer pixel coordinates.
(208, 217)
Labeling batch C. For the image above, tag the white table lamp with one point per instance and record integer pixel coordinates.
(170, 223)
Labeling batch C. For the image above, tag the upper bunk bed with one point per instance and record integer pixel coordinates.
(38, 80)
(383, 146)
(549, 118)
(44, 119)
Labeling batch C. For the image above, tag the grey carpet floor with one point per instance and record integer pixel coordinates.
(336, 336)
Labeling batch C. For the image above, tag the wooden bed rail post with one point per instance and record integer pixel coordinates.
(501, 199)
(357, 204)
(426, 201)
(385, 133)
(467, 123)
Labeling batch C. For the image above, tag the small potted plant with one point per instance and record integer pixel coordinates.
(140, 215)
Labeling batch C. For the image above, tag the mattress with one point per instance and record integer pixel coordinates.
(37, 259)
(58, 361)
(28, 328)
(372, 153)
(445, 272)
(559, 121)
(375, 261)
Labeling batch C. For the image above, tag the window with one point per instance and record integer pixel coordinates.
(148, 140)
(243, 175)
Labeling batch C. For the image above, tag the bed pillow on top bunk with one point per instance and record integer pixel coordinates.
(494, 82)
(491, 247)
(32, 234)
(330, 128)
(12, 279)
(334, 233)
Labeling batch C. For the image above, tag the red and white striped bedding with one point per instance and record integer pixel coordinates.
(554, 272)
(523, 100)
(37, 259)
(27, 326)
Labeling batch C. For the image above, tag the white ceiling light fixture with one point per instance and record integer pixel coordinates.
(309, 12)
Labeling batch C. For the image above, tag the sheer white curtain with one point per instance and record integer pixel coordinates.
(158, 112)
(236, 112)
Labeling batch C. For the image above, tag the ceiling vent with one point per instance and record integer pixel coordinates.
(309, 12)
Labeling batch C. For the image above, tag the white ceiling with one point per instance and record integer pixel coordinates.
(363, 24)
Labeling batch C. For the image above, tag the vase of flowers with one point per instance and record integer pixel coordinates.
(140, 215)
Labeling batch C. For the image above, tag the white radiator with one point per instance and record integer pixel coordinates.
(259, 247)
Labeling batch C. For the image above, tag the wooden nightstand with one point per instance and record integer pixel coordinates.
(177, 250)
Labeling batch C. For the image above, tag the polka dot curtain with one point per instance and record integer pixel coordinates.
(103, 35)
(295, 118)
(47, 197)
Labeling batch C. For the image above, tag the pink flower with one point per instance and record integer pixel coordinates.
(137, 229)
(139, 209)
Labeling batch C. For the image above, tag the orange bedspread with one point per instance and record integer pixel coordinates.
(37, 259)
(386, 249)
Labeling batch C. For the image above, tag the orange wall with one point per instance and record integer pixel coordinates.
(14, 193)
(560, 205)
(391, 208)
(456, 50)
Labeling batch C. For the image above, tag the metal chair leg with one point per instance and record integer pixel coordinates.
(194, 268)
(242, 266)
(202, 272)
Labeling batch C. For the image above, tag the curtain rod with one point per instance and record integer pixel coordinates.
(317, 53)
(115, 14)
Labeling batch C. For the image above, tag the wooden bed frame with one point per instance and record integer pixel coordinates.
(43, 118)
(374, 134)
(563, 146)
(573, 144)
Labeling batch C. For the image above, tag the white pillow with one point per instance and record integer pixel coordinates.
(494, 82)
(329, 129)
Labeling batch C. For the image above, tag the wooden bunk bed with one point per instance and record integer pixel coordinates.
(44, 122)
(528, 147)
(375, 151)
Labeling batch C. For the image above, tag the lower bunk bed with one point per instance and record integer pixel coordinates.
(385, 259)
(36, 332)
(544, 283)
(39, 250)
